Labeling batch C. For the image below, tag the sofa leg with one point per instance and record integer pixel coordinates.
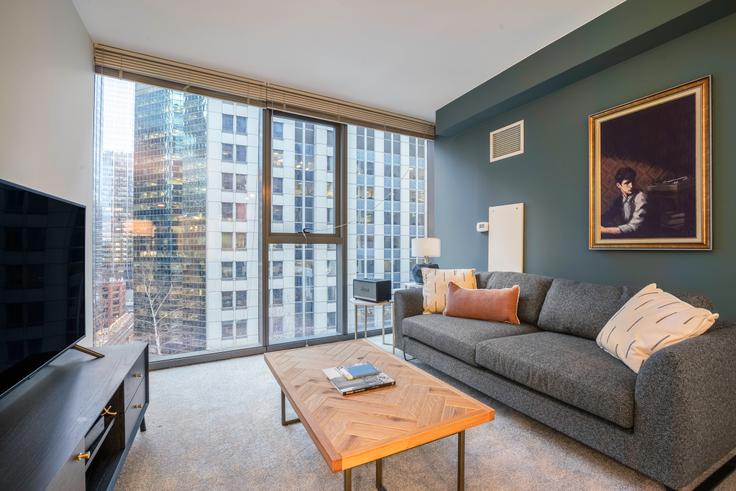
(408, 359)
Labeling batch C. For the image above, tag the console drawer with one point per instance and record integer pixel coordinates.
(71, 475)
(134, 378)
(133, 412)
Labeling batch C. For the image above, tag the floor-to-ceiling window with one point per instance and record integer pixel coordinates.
(304, 243)
(188, 260)
(176, 219)
(387, 176)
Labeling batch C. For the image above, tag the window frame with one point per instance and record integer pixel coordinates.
(231, 125)
(337, 237)
(223, 146)
(236, 153)
(236, 127)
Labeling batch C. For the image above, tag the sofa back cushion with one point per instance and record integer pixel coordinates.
(694, 299)
(581, 309)
(533, 288)
(481, 279)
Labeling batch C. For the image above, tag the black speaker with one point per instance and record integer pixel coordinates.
(372, 290)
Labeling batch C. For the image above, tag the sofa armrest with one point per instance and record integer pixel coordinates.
(407, 303)
(685, 399)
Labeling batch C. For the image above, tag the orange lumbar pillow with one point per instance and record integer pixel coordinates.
(497, 305)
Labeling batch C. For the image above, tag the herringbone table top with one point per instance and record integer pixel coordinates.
(359, 428)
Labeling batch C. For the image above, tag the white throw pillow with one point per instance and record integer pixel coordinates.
(651, 320)
(436, 283)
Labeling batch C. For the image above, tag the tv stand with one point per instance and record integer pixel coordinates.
(87, 351)
(71, 425)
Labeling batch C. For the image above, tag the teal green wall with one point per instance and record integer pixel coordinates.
(551, 177)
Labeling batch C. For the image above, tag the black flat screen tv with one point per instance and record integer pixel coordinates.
(41, 280)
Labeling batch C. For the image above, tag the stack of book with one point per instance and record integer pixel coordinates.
(349, 379)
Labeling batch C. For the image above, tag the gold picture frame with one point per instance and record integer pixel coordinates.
(650, 172)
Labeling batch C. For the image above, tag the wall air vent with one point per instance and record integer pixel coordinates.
(507, 141)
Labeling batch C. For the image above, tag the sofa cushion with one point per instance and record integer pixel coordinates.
(568, 368)
(481, 279)
(582, 309)
(456, 336)
(696, 300)
(533, 290)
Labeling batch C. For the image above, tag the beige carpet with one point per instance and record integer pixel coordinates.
(216, 426)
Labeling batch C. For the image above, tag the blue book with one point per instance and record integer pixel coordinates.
(358, 370)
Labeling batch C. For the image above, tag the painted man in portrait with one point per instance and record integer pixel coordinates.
(627, 215)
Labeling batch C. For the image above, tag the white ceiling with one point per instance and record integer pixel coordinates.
(407, 56)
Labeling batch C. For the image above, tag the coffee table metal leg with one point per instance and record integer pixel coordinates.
(461, 460)
(379, 475)
(284, 421)
(347, 478)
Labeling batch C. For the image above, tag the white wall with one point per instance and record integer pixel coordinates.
(46, 105)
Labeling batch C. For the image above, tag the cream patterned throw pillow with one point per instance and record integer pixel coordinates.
(651, 320)
(436, 283)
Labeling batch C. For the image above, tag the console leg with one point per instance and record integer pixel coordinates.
(143, 424)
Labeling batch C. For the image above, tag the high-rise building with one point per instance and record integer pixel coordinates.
(233, 220)
(169, 207)
(113, 241)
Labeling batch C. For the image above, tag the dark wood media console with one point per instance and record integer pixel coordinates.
(71, 425)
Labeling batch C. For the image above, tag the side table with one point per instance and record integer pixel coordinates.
(365, 304)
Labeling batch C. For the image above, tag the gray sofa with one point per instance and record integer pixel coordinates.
(675, 421)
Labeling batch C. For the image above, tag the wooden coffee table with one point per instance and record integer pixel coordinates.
(368, 426)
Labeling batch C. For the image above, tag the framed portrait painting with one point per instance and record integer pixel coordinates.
(650, 172)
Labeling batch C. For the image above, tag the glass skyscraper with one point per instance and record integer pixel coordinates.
(169, 210)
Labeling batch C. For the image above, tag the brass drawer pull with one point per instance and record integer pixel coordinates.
(107, 412)
(137, 375)
(83, 456)
(137, 406)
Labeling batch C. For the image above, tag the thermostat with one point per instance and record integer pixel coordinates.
(481, 227)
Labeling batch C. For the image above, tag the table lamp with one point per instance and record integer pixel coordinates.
(424, 247)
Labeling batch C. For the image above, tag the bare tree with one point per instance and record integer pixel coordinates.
(161, 319)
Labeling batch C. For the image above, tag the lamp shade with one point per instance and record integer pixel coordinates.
(425, 247)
